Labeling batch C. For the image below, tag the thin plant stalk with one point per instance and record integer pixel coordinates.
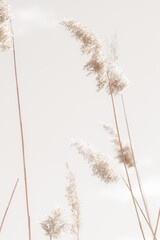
(153, 232)
(9, 203)
(157, 222)
(135, 166)
(22, 137)
(137, 174)
(121, 149)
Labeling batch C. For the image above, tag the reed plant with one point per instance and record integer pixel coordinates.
(56, 223)
(109, 76)
(7, 41)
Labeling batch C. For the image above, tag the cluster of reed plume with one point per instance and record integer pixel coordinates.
(109, 76)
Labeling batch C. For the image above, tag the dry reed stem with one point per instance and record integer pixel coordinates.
(155, 232)
(128, 178)
(135, 166)
(9, 203)
(137, 174)
(22, 138)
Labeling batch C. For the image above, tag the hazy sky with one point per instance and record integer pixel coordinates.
(59, 103)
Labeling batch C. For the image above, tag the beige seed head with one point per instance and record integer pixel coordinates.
(98, 162)
(104, 69)
(118, 80)
(126, 147)
(127, 155)
(73, 201)
(54, 225)
(5, 13)
(5, 37)
(5, 30)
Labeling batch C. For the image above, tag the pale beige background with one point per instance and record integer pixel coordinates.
(60, 103)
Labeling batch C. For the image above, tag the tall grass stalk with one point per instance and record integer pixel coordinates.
(157, 222)
(153, 232)
(135, 166)
(22, 137)
(9, 203)
(126, 170)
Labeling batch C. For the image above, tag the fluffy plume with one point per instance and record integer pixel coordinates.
(127, 155)
(126, 147)
(5, 13)
(105, 70)
(5, 37)
(54, 225)
(73, 201)
(5, 31)
(99, 163)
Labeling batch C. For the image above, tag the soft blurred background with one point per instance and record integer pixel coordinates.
(59, 103)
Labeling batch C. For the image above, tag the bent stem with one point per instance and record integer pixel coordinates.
(22, 138)
(121, 149)
(9, 203)
(136, 170)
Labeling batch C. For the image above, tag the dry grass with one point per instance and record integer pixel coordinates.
(109, 76)
(114, 81)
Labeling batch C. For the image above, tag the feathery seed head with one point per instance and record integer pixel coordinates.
(54, 225)
(118, 80)
(5, 37)
(73, 201)
(127, 153)
(105, 69)
(98, 162)
(5, 31)
(90, 42)
(101, 169)
(109, 128)
(5, 13)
